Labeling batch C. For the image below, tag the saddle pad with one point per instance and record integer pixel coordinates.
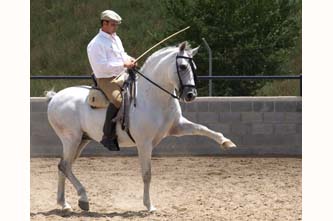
(97, 99)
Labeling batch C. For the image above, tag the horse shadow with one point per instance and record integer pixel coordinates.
(126, 214)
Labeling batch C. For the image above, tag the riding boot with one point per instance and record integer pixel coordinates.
(109, 139)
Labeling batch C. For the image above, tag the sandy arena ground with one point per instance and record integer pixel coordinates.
(182, 188)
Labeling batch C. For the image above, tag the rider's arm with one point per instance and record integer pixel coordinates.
(129, 61)
(101, 65)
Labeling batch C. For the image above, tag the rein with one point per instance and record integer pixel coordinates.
(172, 95)
(182, 86)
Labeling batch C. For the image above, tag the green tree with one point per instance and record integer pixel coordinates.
(248, 37)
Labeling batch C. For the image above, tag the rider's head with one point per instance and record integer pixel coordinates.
(110, 21)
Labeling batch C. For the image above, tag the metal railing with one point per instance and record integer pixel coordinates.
(255, 77)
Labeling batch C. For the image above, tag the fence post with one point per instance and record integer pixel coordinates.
(210, 66)
(300, 85)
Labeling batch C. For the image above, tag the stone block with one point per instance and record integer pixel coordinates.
(43, 140)
(271, 140)
(263, 106)
(202, 106)
(238, 106)
(240, 129)
(219, 106)
(207, 117)
(262, 128)
(285, 128)
(191, 107)
(299, 128)
(249, 117)
(38, 106)
(230, 117)
(299, 106)
(293, 117)
(280, 151)
(285, 106)
(273, 117)
(299, 140)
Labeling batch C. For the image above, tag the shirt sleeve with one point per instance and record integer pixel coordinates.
(99, 62)
(124, 54)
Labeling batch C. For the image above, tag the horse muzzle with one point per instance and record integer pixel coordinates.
(189, 94)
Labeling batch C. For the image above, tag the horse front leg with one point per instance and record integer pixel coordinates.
(186, 127)
(145, 152)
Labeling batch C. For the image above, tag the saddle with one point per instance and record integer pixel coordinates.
(127, 81)
(97, 98)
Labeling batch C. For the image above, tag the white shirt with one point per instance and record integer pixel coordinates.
(106, 55)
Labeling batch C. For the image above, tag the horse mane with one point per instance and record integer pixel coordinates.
(159, 52)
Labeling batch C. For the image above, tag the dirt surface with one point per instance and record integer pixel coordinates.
(182, 188)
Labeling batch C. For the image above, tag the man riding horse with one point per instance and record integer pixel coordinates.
(108, 60)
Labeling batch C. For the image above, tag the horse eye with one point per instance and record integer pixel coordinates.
(183, 67)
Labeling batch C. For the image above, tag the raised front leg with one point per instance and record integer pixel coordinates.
(145, 152)
(186, 127)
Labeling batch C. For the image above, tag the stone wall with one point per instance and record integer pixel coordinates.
(258, 125)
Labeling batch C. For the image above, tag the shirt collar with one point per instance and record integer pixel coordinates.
(106, 35)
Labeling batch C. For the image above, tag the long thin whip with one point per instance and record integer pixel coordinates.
(161, 43)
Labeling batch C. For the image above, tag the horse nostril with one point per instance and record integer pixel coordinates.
(189, 96)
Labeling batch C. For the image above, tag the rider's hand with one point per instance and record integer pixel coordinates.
(129, 63)
(133, 60)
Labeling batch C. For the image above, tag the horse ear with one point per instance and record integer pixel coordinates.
(182, 46)
(194, 51)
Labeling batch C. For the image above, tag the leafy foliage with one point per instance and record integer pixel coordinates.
(246, 37)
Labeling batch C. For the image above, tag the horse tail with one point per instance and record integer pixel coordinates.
(49, 95)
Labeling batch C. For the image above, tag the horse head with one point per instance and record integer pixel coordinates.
(173, 68)
(183, 75)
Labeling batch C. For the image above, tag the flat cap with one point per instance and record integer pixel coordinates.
(110, 15)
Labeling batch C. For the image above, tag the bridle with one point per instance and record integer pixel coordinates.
(182, 85)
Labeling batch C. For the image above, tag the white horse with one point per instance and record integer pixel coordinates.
(156, 115)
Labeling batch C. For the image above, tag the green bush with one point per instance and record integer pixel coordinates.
(246, 37)
(280, 88)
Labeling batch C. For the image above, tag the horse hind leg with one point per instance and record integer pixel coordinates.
(61, 192)
(71, 151)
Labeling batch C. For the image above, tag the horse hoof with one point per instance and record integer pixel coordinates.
(228, 144)
(152, 209)
(84, 205)
(67, 209)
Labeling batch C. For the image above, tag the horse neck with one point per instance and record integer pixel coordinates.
(156, 72)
